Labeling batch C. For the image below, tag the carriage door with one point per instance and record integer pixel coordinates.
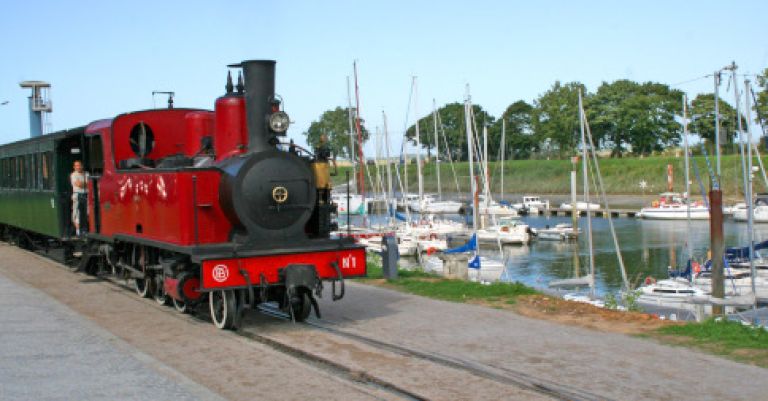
(95, 168)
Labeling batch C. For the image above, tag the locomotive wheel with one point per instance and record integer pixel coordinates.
(302, 306)
(180, 306)
(223, 308)
(144, 287)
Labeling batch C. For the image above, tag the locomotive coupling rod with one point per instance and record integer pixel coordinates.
(333, 283)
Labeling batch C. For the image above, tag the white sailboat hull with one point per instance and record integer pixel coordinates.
(674, 213)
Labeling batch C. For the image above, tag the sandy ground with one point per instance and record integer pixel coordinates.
(612, 366)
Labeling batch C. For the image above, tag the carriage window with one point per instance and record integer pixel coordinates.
(20, 173)
(95, 155)
(12, 173)
(35, 171)
(4, 175)
(46, 173)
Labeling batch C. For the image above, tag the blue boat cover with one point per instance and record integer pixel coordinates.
(471, 245)
(474, 263)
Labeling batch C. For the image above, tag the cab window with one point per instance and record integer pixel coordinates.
(95, 155)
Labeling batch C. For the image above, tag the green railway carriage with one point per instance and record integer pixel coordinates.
(35, 191)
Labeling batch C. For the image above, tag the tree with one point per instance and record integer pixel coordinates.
(335, 124)
(451, 120)
(761, 107)
(556, 115)
(641, 116)
(520, 139)
(702, 118)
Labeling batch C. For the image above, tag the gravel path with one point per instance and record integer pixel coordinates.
(615, 366)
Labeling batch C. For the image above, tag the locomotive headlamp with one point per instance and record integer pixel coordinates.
(279, 122)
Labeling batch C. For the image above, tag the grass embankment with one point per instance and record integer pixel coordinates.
(726, 338)
(621, 176)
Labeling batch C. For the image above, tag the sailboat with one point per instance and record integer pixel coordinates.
(589, 279)
(486, 269)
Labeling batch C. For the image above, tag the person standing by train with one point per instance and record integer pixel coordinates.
(79, 195)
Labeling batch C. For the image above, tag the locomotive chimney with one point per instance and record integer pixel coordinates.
(259, 92)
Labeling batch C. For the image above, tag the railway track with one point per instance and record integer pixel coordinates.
(289, 342)
(498, 374)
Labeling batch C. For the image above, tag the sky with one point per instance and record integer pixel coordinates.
(105, 58)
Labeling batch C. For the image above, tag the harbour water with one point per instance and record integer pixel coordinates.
(648, 248)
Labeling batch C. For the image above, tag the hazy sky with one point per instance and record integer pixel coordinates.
(106, 57)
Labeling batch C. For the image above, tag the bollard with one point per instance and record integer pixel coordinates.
(389, 256)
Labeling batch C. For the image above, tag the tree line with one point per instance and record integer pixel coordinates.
(626, 118)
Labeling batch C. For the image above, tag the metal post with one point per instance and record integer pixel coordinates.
(716, 245)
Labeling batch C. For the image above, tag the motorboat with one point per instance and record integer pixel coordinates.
(580, 206)
(349, 204)
(429, 204)
(560, 232)
(531, 204)
(759, 211)
(673, 206)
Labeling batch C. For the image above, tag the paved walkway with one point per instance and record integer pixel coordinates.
(48, 352)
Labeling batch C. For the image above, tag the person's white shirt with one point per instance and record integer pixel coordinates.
(78, 178)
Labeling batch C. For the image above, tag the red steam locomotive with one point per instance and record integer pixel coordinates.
(196, 204)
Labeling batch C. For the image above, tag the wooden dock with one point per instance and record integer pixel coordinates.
(598, 213)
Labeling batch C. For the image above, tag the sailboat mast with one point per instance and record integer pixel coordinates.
(750, 200)
(470, 158)
(687, 180)
(360, 159)
(418, 144)
(351, 133)
(486, 187)
(437, 151)
(717, 121)
(503, 149)
(586, 199)
(390, 193)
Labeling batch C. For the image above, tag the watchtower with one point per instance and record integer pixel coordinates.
(39, 105)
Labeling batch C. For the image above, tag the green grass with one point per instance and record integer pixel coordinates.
(433, 286)
(727, 338)
(621, 176)
(730, 335)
